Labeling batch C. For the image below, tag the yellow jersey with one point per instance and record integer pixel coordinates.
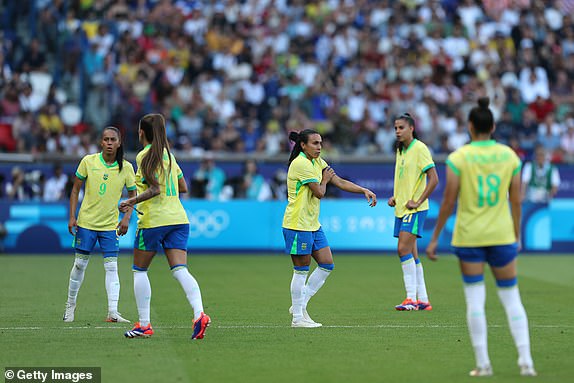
(302, 211)
(102, 192)
(410, 176)
(165, 208)
(485, 170)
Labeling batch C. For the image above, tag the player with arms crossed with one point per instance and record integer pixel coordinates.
(414, 167)
(105, 175)
(163, 224)
(307, 180)
(484, 176)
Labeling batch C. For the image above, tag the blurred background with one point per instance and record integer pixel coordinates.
(234, 77)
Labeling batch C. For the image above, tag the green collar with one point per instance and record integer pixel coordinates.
(483, 143)
(104, 161)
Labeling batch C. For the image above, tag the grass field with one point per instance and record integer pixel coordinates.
(250, 340)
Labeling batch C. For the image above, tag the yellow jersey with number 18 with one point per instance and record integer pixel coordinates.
(166, 208)
(485, 170)
(103, 190)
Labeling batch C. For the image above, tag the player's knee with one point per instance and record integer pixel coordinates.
(404, 249)
(174, 269)
(111, 264)
(80, 264)
(327, 266)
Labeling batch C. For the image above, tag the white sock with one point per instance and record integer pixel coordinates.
(191, 288)
(298, 292)
(409, 276)
(421, 286)
(475, 295)
(142, 292)
(316, 281)
(77, 276)
(518, 322)
(112, 283)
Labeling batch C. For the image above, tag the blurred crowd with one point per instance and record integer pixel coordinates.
(237, 75)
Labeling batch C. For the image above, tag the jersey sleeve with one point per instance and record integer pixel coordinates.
(178, 171)
(323, 163)
(130, 177)
(82, 171)
(454, 162)
(139, 173)
(304, 172)
(517, 164)
(425, 161)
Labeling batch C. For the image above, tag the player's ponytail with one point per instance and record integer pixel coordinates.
(481, 116)
(153, 126)
(298, 138)
(120, 151)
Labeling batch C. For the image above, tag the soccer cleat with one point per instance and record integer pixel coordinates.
(116, 318)
(200, 325)
(302, 322)
(306, 316)
(526, 370)
(481, 371)
(139, 331)
(407, 305)
(423, 306)
(69, 312)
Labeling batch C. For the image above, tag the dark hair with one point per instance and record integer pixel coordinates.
(298, 138)
(411, 121)
(153, 126)
(120, 151)
(481, 116)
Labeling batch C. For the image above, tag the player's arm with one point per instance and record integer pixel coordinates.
(182, 185)
(129, 203)
(74, 196)
(446, 208)
(320, 188)
(515, 197)
(352, 187)
(124, 223)
(432, 182)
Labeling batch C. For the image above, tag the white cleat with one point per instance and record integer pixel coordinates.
(306, 317)
(481, 371)
(302, 322)
(69, 312)
(526, 370)
(116, 318)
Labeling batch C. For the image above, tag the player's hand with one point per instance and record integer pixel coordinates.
(391, 202)
(122, 227)
(125, 206)
(328, 174)
(431, 250)
(411, 205)
(73, 226)
(371, 197)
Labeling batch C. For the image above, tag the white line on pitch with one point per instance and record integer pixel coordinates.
(232, 327)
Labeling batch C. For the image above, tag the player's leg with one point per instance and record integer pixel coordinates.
(145, 247)
(502, 260)
(175, 247)
(472, 268)
(423, 302)
(299, 245)
(406, 243)
(84, 242)
(109, 243)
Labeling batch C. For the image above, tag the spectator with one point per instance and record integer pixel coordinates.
(208, 180)
(540, 179)
(55, 187)
(253, 185)
(18, 188)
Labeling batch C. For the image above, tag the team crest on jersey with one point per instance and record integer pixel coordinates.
(105, 176)
(304, 246)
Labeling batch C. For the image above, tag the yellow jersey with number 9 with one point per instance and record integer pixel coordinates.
(166, 208)
(485, 170)
(103, 190)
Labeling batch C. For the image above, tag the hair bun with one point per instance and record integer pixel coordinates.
(483, 102)
(294, 136)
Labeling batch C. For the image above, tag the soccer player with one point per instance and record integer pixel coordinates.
(415, 180)
(484, 176)
(105, 175)
(307, 180)
(163, 223)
